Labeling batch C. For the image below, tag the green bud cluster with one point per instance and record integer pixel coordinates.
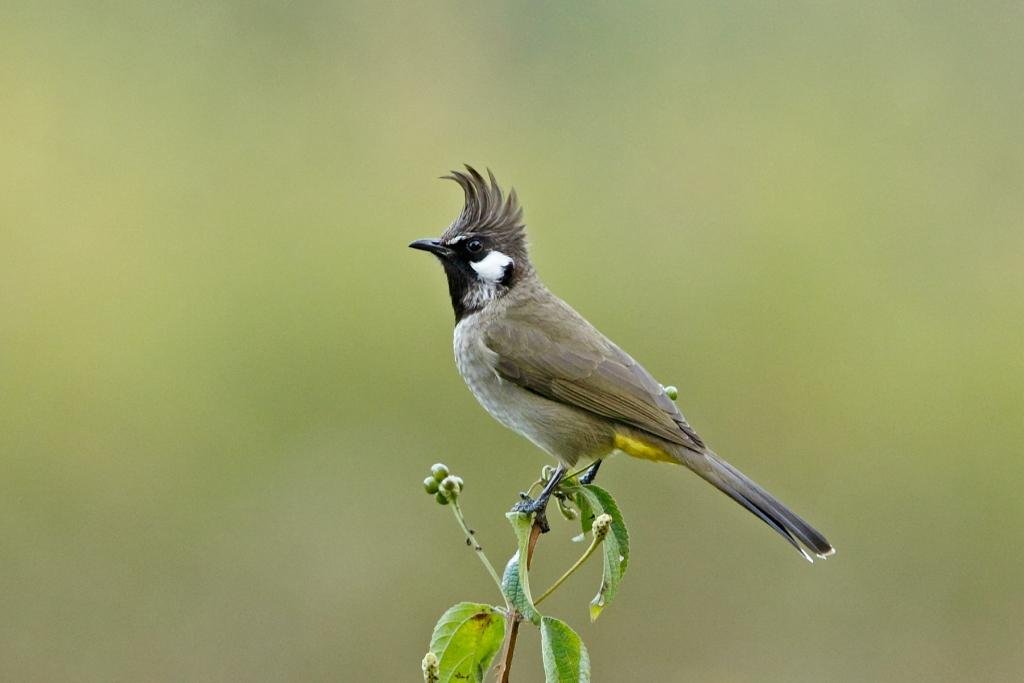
(431, 668)
(442, 485)
(602, 524)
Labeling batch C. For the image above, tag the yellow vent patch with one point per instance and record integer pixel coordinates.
(640, 449)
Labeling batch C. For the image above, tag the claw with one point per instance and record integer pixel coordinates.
(539, 506)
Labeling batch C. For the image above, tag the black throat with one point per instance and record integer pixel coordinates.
(462, 282)
(458, 285)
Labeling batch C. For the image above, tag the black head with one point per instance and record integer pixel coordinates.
(484, 251)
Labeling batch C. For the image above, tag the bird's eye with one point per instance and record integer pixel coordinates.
(474, 246)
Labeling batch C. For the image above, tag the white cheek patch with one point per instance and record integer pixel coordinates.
(491, 268)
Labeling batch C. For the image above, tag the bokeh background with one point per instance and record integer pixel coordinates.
(223, 375)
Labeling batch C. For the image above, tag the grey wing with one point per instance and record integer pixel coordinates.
(568, 360)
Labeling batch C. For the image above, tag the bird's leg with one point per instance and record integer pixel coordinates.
(591, 474)
(539, 505)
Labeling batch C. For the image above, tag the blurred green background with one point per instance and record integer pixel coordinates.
(223, 375)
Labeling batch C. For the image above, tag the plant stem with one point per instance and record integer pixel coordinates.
(513, 618)
(596, 541)
(471, 540)
(539, 482)
(576, 473)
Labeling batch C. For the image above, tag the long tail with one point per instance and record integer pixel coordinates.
(740, 488)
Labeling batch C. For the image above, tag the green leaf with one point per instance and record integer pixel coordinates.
(608, 505)
(587, 514)
(515, 583)
(466, 639)
(592, 501)
(565, 656)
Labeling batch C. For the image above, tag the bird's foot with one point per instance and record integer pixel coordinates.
(537, 508)
(590, 474)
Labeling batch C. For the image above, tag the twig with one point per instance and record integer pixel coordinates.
(471, 541)
(513, 617)
(596, 541)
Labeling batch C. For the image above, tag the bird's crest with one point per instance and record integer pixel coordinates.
(487, 210)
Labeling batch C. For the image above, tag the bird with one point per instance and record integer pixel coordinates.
(539, 368)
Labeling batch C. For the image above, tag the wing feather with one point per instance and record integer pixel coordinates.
(557, 354)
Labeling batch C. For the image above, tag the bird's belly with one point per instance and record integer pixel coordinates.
(567, 433)
(508, 404)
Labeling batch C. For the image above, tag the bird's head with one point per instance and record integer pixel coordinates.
(484, 251)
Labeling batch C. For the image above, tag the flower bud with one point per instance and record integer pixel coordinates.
(439, 471)
(567, 510)
(430, 485)
(431, 668)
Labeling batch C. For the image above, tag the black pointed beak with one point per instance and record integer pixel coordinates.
(433, 246)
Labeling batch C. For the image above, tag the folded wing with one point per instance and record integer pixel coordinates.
(572, 362)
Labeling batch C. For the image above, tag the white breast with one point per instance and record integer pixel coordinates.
(475, 362)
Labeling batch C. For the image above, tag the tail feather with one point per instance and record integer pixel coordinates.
(740, 488)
